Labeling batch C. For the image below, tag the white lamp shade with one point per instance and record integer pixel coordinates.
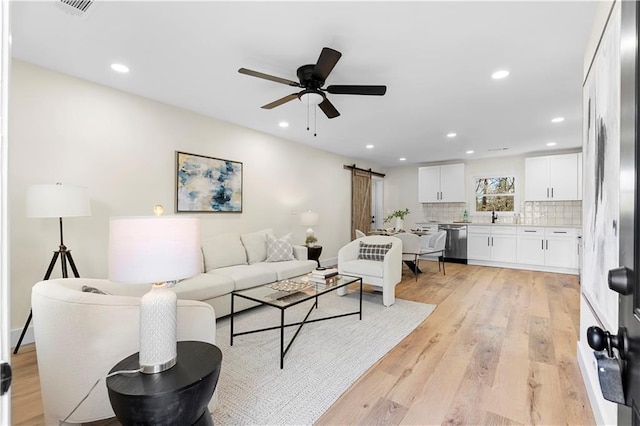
(57, 200)
(154, 249)
(309, 218)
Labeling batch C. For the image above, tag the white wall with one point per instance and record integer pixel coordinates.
(401, 184)
(122, 147)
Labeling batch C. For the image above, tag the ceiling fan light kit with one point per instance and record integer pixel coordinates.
(311, 78)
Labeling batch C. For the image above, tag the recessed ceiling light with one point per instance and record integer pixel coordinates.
(369, 146)
(283, 124)
(557, 120)
(552, 144)
(452, 135)
(499, 74)
(120, 68)
(403, 159)
(470, 152)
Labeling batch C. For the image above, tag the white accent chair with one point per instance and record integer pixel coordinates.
(384, 274)
(360, 234)
(80, 336)
(434, 246)
(410, 249)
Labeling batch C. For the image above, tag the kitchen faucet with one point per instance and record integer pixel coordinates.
(494, 217)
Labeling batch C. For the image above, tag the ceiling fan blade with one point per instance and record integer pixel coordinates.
(281, 101)
(329, 110)
(327, 60)
(268, 77)
(357, 90)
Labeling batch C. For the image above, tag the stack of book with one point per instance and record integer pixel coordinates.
(324, 276)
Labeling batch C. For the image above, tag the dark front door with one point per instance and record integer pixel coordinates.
(619, 368)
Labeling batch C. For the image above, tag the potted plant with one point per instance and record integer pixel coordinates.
(399, 215)
(311, 240)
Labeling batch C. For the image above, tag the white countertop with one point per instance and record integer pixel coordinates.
(500, 224)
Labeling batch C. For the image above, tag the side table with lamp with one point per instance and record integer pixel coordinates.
(310, 218)
(175, 380)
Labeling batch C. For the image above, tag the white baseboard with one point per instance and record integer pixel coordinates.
(28, 337)
(540, 268)
(329, 262)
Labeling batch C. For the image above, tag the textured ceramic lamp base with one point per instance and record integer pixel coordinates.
(158, 329)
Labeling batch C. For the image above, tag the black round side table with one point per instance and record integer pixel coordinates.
(313, 253)
(177, 396)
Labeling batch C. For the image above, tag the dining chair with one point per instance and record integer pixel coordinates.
(410, 251)
(435, 246)
(360, 234)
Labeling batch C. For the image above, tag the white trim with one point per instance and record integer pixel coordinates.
(591, 388)
(28, 337)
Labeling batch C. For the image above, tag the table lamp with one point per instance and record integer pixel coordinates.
(155, 250)
(309, 218)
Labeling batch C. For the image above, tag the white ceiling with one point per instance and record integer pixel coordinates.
(436, 59)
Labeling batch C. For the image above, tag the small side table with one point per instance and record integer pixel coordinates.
(313, 253)
(178, 395)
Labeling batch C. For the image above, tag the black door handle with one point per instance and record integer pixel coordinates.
(5, 378)
(621, 280)
(600, 340)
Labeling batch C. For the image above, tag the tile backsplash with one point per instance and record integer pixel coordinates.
(567, 213)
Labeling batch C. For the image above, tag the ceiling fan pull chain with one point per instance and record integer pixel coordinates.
(315, 121)
(307, 114)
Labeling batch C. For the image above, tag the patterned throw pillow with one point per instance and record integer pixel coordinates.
(373, 251)
(279, 250)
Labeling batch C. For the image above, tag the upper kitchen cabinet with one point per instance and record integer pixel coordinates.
(438, 184)
(552, 178)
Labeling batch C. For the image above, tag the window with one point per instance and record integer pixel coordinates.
(495, 193)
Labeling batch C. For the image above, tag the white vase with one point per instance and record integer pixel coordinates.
(399, 224)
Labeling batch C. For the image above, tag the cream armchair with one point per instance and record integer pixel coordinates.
(81, 336)
(384, 274)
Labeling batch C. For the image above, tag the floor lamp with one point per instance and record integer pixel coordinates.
(50, 201)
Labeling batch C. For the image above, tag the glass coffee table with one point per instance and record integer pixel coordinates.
(284, 294)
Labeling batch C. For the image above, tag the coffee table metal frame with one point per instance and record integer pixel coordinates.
(313, 291)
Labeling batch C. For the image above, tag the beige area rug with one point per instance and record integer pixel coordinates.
(325, 359)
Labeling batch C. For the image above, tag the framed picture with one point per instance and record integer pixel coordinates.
(207, 184)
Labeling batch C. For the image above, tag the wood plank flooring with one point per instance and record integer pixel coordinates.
(499, 349)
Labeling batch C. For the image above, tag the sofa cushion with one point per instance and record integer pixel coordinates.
(247, 276)
(291, 268)
(373, 251)
(255, 244)
(361, 268)
(279, 250)
(204, 286)
(223, 250)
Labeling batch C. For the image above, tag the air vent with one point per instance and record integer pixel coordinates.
(76, 7)
(498, 149)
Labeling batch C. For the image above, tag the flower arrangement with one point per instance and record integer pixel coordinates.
(401, 214)
(311, 239)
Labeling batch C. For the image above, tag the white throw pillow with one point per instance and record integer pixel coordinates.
(223, 250)
(279, 250)
(255, 244)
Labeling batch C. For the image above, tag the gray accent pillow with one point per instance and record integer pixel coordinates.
(279, 250)
(373, 251)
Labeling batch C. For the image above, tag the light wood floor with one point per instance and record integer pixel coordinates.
(500, 348)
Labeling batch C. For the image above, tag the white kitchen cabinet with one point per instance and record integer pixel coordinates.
(492, 243)
(437, 184)
(552, 177)
(547, 246)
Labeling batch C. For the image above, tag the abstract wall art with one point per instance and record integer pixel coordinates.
(207, 184)
(601, 171)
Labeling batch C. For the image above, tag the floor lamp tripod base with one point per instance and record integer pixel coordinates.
(65, 256)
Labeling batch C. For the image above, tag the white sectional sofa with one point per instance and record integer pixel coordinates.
(232, 261)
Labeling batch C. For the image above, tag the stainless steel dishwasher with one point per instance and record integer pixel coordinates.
(456, 248)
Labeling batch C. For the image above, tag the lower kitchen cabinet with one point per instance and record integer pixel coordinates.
(547, 247)
(491, 243)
